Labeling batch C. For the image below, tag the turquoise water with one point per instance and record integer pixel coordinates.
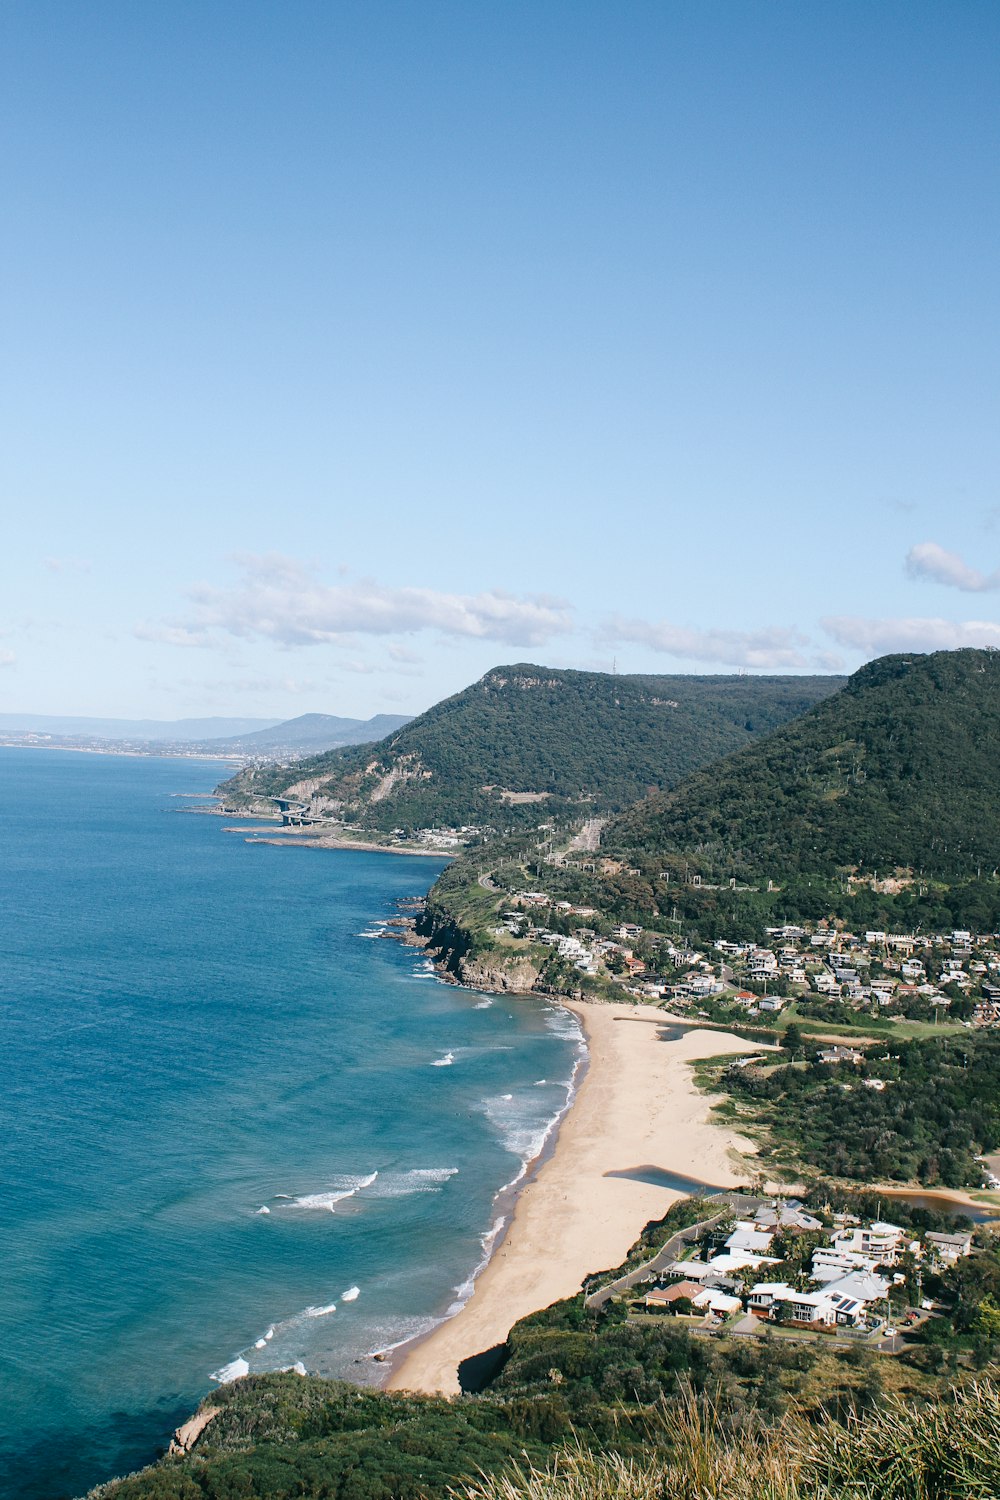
(196, 1029)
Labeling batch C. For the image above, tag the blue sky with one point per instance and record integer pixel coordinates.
(353, 348)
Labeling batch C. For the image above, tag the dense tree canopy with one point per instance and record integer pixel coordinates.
(588, 741)
(897, 769)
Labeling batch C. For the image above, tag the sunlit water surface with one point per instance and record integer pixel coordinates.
(236, 1125)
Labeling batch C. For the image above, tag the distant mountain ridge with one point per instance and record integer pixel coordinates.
(311, 732)
(900, 768)
(174, 730)
(247, 738)
(528, 741)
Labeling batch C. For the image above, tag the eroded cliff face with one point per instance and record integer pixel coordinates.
(514, 975)
(483, 969)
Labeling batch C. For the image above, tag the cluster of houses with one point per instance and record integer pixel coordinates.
(875, 969)
(880, 970)
(614, 954)
(849, 1280)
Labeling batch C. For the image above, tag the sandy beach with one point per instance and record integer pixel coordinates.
(295, 838)
(637, 1106)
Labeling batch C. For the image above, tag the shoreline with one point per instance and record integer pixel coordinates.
(987, 1201)
(215, 760)
(297, 841)
(635, 1106)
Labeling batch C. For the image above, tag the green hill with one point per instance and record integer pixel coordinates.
(898, 769)
(527, 741)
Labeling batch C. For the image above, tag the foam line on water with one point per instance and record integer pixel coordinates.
(417, 1180)
(344, 1187)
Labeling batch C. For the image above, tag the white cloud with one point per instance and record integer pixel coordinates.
(7, 658)
(878, 637)
(363, 668)
(171, 635)
(67, 564)
(828, 661)
(772, 647)
(403, 654)
(279, 600)
(296, 686)
(928, 560)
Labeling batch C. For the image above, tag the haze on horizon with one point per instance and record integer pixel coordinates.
(353, 350)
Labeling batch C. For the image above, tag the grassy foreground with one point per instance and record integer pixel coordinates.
(950, 1451)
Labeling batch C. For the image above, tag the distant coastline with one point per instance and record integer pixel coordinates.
(130, 753)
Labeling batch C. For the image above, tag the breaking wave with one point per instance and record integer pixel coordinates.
(344, 1187)
(418, 1180)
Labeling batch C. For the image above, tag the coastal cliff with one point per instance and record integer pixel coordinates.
(464, 955)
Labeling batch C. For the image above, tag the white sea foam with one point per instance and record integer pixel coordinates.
(261, 1344)
(407, 1329)
(419, 1180)
(482, 1005)
(344, 1187)
(269, 1334)
(520, 1130)
(321, 1312)
(540, 1083)
(444, 1062)
(517, 1124)
(235, 1370)
(262, 1210)
(563, 1023)
(351, 1295)
(487, 1244)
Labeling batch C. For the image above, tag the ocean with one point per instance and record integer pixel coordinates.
(238, 1129)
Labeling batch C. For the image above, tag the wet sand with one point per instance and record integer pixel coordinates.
(638, 1105)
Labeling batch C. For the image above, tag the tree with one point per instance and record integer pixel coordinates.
(988, 1321)
(792, 1041)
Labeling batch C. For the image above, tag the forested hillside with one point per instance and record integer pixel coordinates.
(899, 768)
(527, 741)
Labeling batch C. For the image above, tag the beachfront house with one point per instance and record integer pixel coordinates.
(839, 1054)
(753, 1237)
(660, 1298)
(712, 1299)
(946, 1249)
(818, 1310)
(880, 1242)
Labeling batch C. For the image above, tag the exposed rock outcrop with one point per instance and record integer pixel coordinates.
(190, 1431)
(515, 975)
